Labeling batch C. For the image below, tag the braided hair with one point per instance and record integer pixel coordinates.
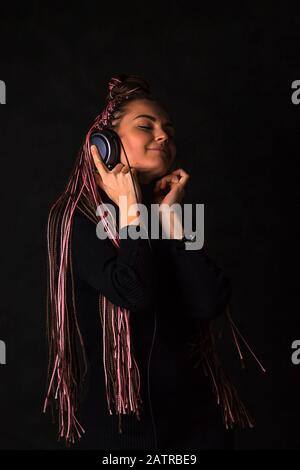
(67, 363)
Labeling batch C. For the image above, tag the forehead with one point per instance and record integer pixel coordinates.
(152, 108)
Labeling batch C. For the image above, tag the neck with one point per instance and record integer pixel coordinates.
(147, 192)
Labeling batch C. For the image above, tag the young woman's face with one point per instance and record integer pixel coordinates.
(148, 138)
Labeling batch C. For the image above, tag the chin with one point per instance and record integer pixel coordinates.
(156, 172)
(162, 168)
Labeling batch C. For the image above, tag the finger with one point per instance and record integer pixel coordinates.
(118, 168)
(161, 184)
(157, 187)
(175, 179)
(164, 183)
(98, 161)
(180, 172)
(125, 169)
(171, 179)
(183, 176)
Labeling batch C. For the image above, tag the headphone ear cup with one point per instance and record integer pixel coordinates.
(108, 143)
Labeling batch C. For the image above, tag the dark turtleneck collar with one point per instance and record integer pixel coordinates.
(147, 192)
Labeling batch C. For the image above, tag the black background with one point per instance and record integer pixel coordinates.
(226, 78)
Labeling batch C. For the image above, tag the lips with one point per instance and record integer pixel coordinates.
(160, 149)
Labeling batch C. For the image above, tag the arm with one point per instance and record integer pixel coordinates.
(126, 276)
(197, 285)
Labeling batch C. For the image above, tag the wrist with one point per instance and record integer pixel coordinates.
(171, 224)
(128, 212)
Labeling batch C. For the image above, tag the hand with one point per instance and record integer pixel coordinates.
(170, 188)
(118, 181)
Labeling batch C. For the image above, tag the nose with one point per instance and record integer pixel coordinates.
(162, 137)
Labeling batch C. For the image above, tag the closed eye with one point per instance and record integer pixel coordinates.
(147, 127)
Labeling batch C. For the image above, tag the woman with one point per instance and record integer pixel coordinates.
(129, 320)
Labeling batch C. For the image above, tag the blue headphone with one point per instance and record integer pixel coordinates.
(107, 142)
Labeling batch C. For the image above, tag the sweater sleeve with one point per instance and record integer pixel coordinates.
(125, 275)
(197, 284)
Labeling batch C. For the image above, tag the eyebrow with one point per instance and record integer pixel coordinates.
(168, 123)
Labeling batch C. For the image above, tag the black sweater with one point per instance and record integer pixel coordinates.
(167, 289)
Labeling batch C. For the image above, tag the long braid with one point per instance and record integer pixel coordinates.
(67, 360)
(67, 364)
(204, 348)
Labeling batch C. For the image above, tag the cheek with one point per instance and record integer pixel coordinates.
(138, 142)
(133, 147)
